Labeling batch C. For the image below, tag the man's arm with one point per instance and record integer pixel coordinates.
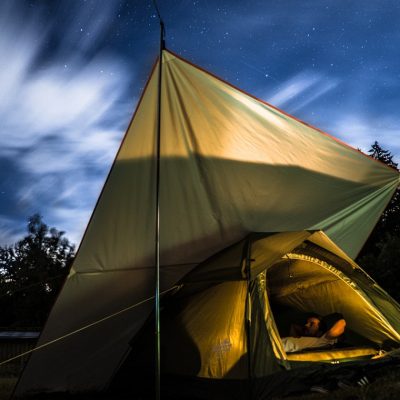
(336, 330)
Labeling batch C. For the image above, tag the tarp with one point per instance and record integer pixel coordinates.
(230, 165)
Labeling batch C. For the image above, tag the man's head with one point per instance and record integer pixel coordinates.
(312, 326)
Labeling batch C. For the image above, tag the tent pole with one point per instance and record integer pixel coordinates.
(157, 235)
(248, 318)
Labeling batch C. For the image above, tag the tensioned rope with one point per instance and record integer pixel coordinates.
(84, 327)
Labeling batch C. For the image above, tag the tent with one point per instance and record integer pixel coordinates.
(245, 297)
(231, 165)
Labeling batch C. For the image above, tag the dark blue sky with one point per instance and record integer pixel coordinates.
(71, 72)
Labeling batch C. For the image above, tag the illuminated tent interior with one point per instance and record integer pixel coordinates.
(230, 165)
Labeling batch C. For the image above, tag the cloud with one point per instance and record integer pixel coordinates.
(66, 92)
(74, 204)
(301, 89)
(62, 119)
(359, 127)
(61, 198)
(87, 26)
(19, 48)
(9, 232)
(45, 102)
(51, 101)
(292, 88)
(361, 132)
(74, 221)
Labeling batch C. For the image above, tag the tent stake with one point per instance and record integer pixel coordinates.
(157, 235)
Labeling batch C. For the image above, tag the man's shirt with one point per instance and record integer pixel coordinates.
(291, 344)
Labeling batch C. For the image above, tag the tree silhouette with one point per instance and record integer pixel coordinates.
(31, 274)
(377, 152)
(380, 255)
(389, 223)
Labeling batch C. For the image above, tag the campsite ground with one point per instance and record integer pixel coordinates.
(384, 388)
(6, 386)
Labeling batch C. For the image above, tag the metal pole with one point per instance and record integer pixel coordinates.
(248, 319)
(157, 236)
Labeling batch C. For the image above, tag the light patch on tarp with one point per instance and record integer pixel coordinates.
(220, 121)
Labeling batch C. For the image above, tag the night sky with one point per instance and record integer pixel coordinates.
(71, 72)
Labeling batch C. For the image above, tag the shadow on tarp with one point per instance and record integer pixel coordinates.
(230, 198)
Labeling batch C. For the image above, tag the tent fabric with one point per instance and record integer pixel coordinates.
(267, 353)
(265, 251)
(323, 241)
(230, 165)
(230, 264)
(305, 283)
(215, 330)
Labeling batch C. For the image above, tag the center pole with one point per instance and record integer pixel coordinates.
(157, 235)
(248, 320)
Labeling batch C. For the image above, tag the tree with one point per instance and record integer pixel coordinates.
(382, 155)
(384, 265)
(390, 219)
(389, 223)
(380, 254)
(32, 272)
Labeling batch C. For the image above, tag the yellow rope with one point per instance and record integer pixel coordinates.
(83, 328)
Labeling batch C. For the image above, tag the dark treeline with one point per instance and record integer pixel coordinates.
(380, 256)
(33, 270)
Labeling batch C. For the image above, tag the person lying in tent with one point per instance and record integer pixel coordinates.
(316, 332)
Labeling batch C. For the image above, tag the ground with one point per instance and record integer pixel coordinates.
(386, 387)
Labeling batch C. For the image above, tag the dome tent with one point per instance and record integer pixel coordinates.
(230, 165)
(241, 297)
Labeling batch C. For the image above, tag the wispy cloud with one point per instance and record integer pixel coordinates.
(42, 103)
(361, 131)
(356, 126)
(10, 232)
(58, 118)
(301, 90)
